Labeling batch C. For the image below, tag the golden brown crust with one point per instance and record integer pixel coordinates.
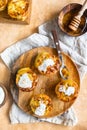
(18, 9)
(35, 102)
(66, 84)
(3, 4)
(31, 75)
(43, 56)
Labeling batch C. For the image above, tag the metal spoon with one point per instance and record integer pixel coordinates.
(63, 68)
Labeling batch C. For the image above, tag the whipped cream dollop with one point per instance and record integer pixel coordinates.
(70, 90)
(40, 110)
(45, 64)
(25, 81)
(2, 95)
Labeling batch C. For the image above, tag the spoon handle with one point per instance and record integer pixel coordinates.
(56, 41)
(84, 7)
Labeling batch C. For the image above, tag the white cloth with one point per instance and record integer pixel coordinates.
(18, 116)
(76, 47)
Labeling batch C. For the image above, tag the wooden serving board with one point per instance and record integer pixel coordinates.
(46, 83)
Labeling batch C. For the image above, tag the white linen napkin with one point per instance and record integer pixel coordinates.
(76, 47)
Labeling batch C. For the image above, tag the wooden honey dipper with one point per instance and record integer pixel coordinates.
(77, 19)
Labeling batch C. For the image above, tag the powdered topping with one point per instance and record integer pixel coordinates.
(70, 90)
(25, 81)
(45, 64)
(40, 110)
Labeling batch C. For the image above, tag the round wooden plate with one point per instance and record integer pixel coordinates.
(46, 83)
